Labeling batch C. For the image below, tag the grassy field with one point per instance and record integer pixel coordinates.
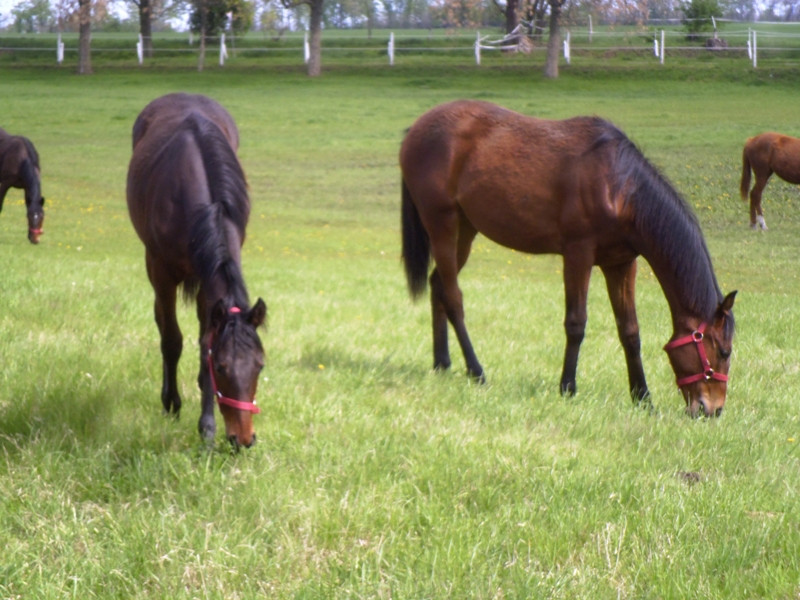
(374, 477)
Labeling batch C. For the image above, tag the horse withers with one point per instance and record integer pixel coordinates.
(765, 154)
(188, 201)
(579, 188)
(19, 168)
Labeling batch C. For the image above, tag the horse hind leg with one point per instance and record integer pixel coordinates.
(756, 214)
(447, 300)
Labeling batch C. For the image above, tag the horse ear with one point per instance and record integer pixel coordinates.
(218, 314)
(725, 307)
(727, 303)
(257, 314)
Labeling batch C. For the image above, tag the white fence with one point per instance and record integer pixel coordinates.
(745, 42)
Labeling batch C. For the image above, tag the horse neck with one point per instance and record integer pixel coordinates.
(689, 284)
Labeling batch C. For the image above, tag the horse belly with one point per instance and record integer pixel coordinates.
(522, 222)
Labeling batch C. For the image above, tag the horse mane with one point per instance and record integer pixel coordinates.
(229, 207)
(664, 220)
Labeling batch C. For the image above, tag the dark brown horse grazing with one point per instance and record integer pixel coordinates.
(579, 188)
(187, 197)
(19, 168)
(766, 154)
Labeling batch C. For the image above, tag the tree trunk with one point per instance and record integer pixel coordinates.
(512, 18)
(85, 37)
(554, 42)
(201, 59)
(146, 28)
(315, 41)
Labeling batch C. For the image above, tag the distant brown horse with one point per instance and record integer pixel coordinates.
(579, 188)
(19, 168)
(187, 198)
(765, 154)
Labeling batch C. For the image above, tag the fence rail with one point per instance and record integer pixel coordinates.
(744, 41)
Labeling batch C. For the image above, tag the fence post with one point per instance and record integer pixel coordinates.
(59, 50)
(655, 48)
(140, 50)
(306, 50)
(749, 45)
(591, 29)
(755, 50)
(566, 48)
(661, 58)
(223, 51)
(478, 48)
(391, 49)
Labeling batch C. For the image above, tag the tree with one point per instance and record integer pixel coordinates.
(32, 16)
(510, 10)
(210, 18)
(84, 37)
(697, 15)
(316, 9)
(145, 10)
(554, 42)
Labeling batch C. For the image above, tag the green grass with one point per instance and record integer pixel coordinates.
(374, 477)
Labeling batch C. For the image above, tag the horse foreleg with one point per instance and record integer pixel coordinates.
(756, 215)
(577, 271)
(621, 285)
(3, 189)
(207, 425)
(171, 338)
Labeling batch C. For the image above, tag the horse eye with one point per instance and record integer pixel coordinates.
(724, 354)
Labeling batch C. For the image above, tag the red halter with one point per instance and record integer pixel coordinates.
(696, 337)
(232, 402)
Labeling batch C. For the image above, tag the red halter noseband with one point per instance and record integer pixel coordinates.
(696, 337)
(232, 402)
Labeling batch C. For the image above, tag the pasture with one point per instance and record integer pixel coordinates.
(374, 477)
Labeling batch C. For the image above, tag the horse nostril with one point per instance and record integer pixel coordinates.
(234, 442)
(718, 412)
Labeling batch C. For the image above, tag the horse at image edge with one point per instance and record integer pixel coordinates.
(764, 155)
(19, 168)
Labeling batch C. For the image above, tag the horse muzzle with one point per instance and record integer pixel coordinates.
(34, 234)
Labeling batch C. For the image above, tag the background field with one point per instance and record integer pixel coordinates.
(374, 477)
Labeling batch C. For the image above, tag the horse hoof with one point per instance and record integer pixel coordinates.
(207, 429)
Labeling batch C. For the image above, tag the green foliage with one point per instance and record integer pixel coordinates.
(216, 14)
(699, 15)
(32, 16)
(374, 477)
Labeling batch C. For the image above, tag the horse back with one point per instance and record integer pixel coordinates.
(175, 107)
(774, 152)
(19, 161)
(526, 183)
(180, 144)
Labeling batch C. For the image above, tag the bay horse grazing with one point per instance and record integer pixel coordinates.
(579, 188)
(187, 198)
(19, 168)
(765, 154)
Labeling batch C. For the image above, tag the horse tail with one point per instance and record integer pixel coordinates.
(416, 246)
(744, 185)
(229, 205)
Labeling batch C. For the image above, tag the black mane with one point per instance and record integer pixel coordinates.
(210, 223)
(665, 222)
